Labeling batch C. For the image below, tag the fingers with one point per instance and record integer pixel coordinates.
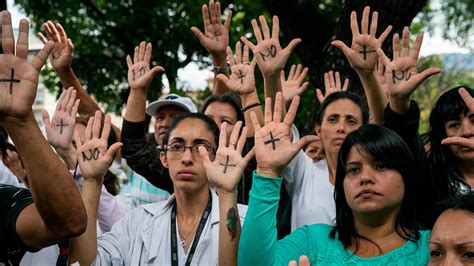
(65, 99)
(242, 139)
(319, 95)
(129, 62)
(304, 261)
(22, 43)
(113, 150)
(147, 57)
(346, 84)
(275, 28)
(141, 51)
(291, 113)
(238, 53)
(305, 141)
(204, 155)
(223, 135)
(247, 42)
(205, 16)
(364, 24)
(71, 102)
(354, 24)
(327, 82)
(415, 52)
(268, 110)
(396, 46)
(55, 32)
(292, 72)
(218, 13)
(234, 136)
(230, 57)
(88, 133)
(265, 29)
(106, 129)
(249, 155)
(297, 71)
(228, 19)
(157, 69)
(338, 80)
(96, 124)
(136, 55)
(373, 23)
(212, 11)
(291, 46)
(459, 141)
(385, 34)
(420, 77)
(331, 79)
(58, 105)
(198, 33)
(342, 46)
(41, 57)
(255, 122)
(256, 31)
(8, 41)
(223, 78)
(246, 56)
(62, 33)
(42, 38)
(46, 121)
(467, 98)
(303, 74)
(278, 112)
(75, 107)
(385, 60)
(405, 42)
(77, 140)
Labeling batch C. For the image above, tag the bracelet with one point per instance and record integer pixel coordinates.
(251, 106)
(224, 70)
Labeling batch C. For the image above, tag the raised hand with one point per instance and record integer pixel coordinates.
(401, 77)
(215, 38)
(225, 171)
(462, 141)
(13, 162)
(18, 77)
(60, 129)
(273, 146)
(242, 78)
(271, 57)
(332, 83)
(93, 156)
(303, 261)
(361, 54)
(294, 85)
(63, 50)
(139, 73)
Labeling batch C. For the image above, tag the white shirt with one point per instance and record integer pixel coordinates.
(7, 177)
(311, 193)
(143, 237)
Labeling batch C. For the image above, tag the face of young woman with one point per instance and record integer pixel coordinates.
(186, 168)
(452, 239)
(370, 187)
(463, 126)
(220, 113)
(341, 117)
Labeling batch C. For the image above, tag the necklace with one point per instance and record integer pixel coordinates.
(184, 241)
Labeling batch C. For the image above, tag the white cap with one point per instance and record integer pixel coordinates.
(171, 99)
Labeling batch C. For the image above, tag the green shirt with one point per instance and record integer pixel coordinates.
(259, 245)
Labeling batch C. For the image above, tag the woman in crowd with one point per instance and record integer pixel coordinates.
(376, 221)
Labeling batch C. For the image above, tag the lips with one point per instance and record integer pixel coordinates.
(339, 140)
(367, 192)
(186, 174)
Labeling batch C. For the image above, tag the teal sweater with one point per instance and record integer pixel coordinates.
(259, 245)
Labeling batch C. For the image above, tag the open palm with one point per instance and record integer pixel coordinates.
(139, 73)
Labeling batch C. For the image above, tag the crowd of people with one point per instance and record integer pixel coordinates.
(233, 182)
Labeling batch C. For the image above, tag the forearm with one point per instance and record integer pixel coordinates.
(54, 191)
(69, 157)
(272, 85)
(136, 106)
(69, 79)
(248, 100)
(84, 248)
(376, 97)
(219, 86)
(229, 228)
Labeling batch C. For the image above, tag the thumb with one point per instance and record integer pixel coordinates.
(157, 69)
(292, 45)
(249, 155)
(197, 32)
(319, 95)
(223, 78)
(113, 150)
(305, 141)
(341, 46)
(428, 73)
(204, 155)
(45, 116)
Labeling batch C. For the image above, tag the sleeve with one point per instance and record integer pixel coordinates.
(258, 242)
(12, 202)
(144, 157)
(7, 177)
(110, 210)
(113, 247)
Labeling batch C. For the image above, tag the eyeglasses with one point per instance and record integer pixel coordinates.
(178, 149)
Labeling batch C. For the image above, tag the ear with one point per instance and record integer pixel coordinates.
(163, 159)
(317, 129)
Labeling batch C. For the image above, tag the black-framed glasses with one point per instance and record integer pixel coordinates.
(178, 149)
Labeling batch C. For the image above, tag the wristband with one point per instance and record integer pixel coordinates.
(224, 70)
(250, 106)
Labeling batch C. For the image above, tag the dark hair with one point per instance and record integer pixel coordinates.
(385, 146)
(449, 106)
(356, 99)
(229, 98)
(460, 202)
(211, 125)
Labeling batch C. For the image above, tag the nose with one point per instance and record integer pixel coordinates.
(367, 176)
(467, 127)
(341, 127)
(187, 158)
(451, 260)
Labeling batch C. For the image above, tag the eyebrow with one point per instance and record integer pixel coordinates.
(194, 141)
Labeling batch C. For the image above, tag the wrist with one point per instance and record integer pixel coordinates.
(227, 194)
(267, 171)
(219, 59)
(366, 75)
(64, 71)
(400, 104)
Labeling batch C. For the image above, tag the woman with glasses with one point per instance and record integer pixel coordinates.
(194, 225)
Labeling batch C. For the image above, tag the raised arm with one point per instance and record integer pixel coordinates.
(58, 211)
(242, 82)
(215, 40)
(224, 173)
(94, 160)
(273, 150)
(271, 57)
(363, 59)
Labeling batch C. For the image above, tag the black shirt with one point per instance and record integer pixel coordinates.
(12, 201)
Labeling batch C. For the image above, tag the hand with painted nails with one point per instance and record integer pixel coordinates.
(93, 156)
(294, 84)
(139, 73)
(18, 77)
(362, 53)
(401, 76)
(215, 38)
(271, 57)
(63, 50)
(242, 78)
(465, 142)
(273, 146)
(60, 130)
(332, 83)
(225, 168)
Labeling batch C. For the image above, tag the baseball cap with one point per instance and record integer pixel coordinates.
(171, 99)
